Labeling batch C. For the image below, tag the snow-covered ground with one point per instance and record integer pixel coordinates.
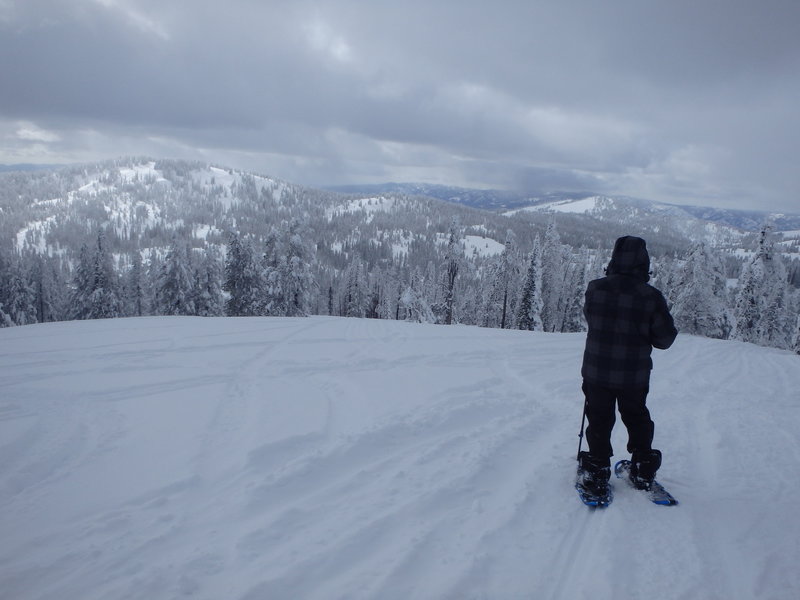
(327, 458)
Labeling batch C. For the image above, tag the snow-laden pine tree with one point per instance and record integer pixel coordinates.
(760, 310)
(444, 306)
(95, 284)
(106, 301)
(414, 305)
(699, 293)
(502, 287)
(82, 283)
(46, 289)
(529, 307)
(243, 280)
(207, 295)
(296, 269)
(174, 287)
(579, 271)
(553, 275)
(21, 301)
(354, 294)
(135, 287)
(5, 319)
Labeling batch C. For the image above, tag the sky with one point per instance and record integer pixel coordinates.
(687, 101)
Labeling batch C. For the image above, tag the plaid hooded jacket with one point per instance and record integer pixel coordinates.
(627, 317)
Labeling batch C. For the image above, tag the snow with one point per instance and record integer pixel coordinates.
(482, 246)
(141, 171)
(579, 206)
(327, 458)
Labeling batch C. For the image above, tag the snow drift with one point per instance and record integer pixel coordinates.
(329, 458)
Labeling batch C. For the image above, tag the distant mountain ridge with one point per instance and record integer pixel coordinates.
(145, 202)
(505, 201)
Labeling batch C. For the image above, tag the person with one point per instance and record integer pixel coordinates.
(627, 318)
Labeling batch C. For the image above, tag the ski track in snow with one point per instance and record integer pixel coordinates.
(329, 458)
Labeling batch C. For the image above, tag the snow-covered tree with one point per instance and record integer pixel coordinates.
(579, 271)
(760, 311)
(501, 291)
(175, 283)
(243, 279)
(529, 307)
(355, 290)
(207, 295)
(105, 299)
(413, 302)
(443, 307)
(95, 286)
(21, 307)
(296, 269)
(699, 293)
(553, 274)
(135, 287)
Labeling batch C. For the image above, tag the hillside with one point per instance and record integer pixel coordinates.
(327, 458)
(144, 203)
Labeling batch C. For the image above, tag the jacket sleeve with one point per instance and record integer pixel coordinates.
(662, 326)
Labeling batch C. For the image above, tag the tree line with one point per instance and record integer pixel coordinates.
(538, 287)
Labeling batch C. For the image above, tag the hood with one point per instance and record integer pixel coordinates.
(630, 257)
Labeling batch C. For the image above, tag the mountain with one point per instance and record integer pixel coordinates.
(325, 458)
(143, 203)
(483, 199)
(648, 217)
(139, 236)
(576, 202)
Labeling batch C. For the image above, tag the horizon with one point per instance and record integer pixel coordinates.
(339, 188)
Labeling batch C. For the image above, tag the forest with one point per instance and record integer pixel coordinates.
(139, 237)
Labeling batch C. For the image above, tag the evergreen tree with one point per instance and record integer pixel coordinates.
(82, 286)
(443, 308)
(413, 301)
(529, 307)
(552, 279)
(501, 292)
(135, 287)
(273, 300)
(355, 292)
(577, 274)
(760, 311)
(243, 280)
(104, 299)
(175, 283)
(699, 306)
(21, 307)
(207, 295)
(296, 270)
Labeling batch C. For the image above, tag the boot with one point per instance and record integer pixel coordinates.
(594, 473)
(644, 465)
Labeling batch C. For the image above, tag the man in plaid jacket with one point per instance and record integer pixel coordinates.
(627, 318)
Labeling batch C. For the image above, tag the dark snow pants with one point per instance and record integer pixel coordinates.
(601, 415)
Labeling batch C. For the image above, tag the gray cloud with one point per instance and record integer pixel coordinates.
(680, 101)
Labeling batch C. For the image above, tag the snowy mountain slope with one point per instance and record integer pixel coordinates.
(643, 215)
(345, 458)
(511, 201)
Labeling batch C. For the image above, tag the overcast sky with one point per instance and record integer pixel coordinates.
(684, 101)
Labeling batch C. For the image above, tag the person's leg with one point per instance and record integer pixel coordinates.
(601, 415)
(636, 417)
